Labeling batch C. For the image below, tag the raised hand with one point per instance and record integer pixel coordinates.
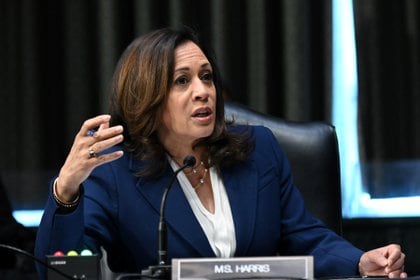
(94, 137)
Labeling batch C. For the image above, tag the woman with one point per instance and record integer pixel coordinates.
(238, 200)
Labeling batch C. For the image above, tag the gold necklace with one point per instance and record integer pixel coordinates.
(201, 181)
(195, 171)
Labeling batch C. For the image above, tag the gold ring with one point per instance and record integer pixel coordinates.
(92, 153)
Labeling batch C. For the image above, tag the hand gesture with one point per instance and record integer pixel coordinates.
(85, 154)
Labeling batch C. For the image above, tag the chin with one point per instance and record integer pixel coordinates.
(206, 133)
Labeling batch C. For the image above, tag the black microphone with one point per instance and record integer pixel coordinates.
(162, 270)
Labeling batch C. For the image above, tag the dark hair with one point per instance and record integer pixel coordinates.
(141, 84)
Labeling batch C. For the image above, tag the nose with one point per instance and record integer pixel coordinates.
(200, 91)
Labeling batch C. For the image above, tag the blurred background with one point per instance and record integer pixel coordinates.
(355, 64)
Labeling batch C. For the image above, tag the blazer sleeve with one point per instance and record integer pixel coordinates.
(89, 226)
(58, 232)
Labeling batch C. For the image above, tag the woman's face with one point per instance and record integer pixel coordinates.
(189, 112)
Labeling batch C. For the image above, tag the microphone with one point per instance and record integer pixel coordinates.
(162, 270)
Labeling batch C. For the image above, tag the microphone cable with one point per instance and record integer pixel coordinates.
(122, 276)
(29, 255)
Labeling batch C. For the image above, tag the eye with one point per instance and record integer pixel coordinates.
(181, 80)
(208, 76)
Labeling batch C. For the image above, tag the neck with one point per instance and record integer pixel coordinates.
(200, 155)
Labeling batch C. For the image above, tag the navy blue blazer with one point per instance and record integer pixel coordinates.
(120, 212)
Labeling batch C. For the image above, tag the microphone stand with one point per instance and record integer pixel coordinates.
(163, 270)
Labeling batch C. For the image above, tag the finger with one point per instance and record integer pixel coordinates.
(108, 132)
(397, 264)
(100, 146)
(397, 274)
(104, 158)
(103, 126)
(394, 254)
(94, 123)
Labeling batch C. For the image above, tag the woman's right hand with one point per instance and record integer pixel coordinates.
(85, 155)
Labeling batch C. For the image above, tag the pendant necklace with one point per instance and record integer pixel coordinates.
(202, 180)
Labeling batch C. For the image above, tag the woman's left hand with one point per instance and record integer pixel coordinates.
(384, 261)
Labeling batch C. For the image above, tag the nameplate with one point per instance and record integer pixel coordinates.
(293, 267)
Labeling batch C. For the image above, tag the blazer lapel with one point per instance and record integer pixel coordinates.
(178, 214)
(182, 220)
(241, 186)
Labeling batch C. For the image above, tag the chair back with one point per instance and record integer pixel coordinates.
(312, 150)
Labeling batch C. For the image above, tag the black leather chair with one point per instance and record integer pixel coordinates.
(312, 150)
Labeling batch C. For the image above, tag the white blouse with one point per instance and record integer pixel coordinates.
(218, 227)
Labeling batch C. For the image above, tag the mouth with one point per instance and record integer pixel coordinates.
(203, 115)
(202, 112)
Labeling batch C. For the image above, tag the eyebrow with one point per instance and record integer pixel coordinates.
(204, 65)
